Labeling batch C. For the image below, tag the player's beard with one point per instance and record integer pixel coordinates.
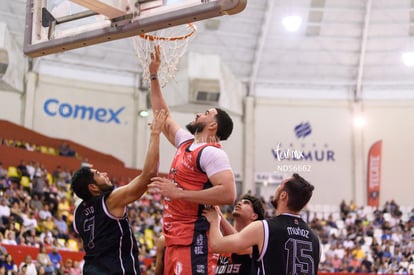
(275, 201)
(106, 188)
(195, 127)
(235, 213)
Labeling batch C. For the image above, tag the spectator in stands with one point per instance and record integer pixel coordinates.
(336, 264)
(344, 209)
(67, 175)
(29, 221)
(23, 269)
(10, 237)
(4, 212)
(366, 265)
(52, 202)
(44, 213)
(339, 250)
(64, 208)
(66, 151)
(9, 265)
(30, 146)
(30, 266)
(348, 243)
(46, 237)
(56, 259)
(35, 202)
(20, 144)
(59, 178)
(354, 265)
(16, 211)
(61, 228)
(76, 268)
(3, 251)
(3, 177)
(386, 235)
(67, 268)
(48, 225)
(329, 251)
(30, 237)
(23, 169)
(41, 271)
(44, 261)
(31, 169)
(387, 255)
(39, 180)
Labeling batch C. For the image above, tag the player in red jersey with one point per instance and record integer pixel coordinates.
(200, 175)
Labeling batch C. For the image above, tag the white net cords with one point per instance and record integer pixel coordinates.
(173, 44)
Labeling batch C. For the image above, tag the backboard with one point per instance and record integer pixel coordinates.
(59, 25)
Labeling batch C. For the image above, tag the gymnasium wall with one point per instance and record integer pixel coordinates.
(11, 106)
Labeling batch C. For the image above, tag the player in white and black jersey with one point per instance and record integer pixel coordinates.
(101, 219)
(246, 210)
(284, 244)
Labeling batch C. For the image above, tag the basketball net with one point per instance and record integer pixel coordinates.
(173, 42)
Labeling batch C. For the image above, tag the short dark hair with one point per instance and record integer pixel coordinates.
(224, 124)
(257, 205)
(80, 181)
(299, 191)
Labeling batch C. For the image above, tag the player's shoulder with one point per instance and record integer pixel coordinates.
(182, 136)
(212, 153)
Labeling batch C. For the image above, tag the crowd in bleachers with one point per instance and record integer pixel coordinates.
(365, 239)
(36, 209)
(63, 149)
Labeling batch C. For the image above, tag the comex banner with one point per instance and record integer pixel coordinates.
(53, 107)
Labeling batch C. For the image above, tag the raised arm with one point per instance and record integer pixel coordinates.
(226, 227)
(126, 194)
(157, 99)
(251, 235)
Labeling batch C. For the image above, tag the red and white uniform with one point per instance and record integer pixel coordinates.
(184, 228)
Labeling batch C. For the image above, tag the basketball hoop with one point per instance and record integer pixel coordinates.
(173, 43)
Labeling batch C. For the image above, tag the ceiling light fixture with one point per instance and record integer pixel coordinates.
(292, 23)
(408, 58)
(143, 113)
(359, 121)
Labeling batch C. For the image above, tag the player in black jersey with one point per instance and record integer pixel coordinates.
(281, 245)
(247, 209)
(101, 218)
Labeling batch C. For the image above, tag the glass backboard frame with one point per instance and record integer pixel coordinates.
(41, 38)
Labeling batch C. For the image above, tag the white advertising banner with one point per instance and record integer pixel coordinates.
(313, 140)
(100, 119)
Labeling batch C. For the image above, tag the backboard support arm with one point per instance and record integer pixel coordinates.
(40, 41)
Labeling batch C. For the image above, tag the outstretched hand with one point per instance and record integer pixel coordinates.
(212, 215)
(155, 60)
(158, 121)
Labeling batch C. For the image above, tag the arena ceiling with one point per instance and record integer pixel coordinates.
(353, 45)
